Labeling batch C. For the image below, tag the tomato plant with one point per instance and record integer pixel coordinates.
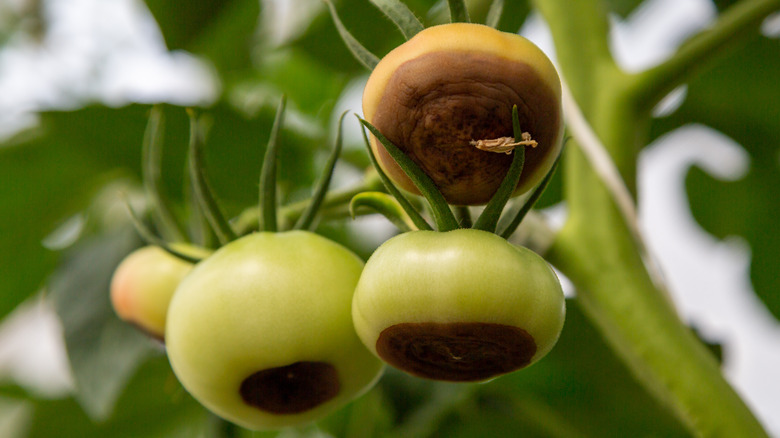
(468, 109)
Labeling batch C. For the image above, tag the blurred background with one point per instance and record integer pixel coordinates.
(76, 81)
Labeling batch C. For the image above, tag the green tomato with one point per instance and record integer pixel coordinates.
(142, 287)
(464, 305)
(261, 332)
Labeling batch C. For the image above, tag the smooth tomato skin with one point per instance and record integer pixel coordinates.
(263, 301)
(142, 287)
(463, 275)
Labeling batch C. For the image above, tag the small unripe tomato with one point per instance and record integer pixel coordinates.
(142, 287)
(455, 84)
(463, 305)
(261, 332)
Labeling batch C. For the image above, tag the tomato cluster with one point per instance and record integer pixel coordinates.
(280, 328)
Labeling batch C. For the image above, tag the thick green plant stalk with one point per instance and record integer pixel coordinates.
(596, 249)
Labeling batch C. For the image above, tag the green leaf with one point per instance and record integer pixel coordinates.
(312, 86)
(494, 13)
(401, 15)
(514, 15)
(624, 8)
(154, 405)
(458, 11)
(49, 174)
(367, 24)
(739, 97)
(368, 59)
(103, 351)
(222, 30)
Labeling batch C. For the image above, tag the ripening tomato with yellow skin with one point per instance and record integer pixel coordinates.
(261, 332)
(142, 287)
(453, 85)
(461, 305)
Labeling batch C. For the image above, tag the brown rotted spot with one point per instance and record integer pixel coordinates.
(291, 389)
(459, 352)
(434, 105)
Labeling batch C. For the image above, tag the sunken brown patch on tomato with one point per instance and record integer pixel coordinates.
(435, 104)
(291, 389)
(460, 351)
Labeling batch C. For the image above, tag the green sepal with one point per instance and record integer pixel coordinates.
(529, 203)
(199, 230)
(463, 214)
(494, 13)
(458, 11)
(488, 220)
(150, 238)
(415, 215)
(306, 219)
(401, 15)
(385, 205)
(363, 55)
(442, 215)
(203, 193)
(151, 153)
(268, 207)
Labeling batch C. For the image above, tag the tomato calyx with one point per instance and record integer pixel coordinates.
(443, 216)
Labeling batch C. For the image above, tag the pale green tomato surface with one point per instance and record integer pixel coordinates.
(463, 275)
(265, 301)
(142, 287)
